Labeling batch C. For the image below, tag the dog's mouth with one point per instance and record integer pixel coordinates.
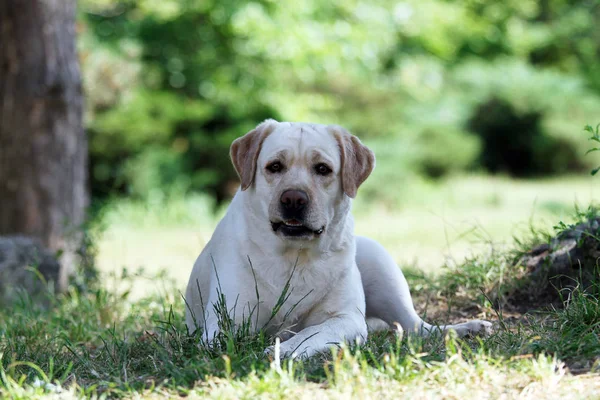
(295, 228)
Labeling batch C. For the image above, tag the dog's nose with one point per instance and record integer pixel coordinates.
(294, 200)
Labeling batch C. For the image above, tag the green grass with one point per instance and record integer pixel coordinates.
(99, 343)
(103, 343)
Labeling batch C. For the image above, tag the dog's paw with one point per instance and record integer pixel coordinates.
(281, 353)
(287, 346)
(475, 328)
(277, 351)
(288, 350)
(274, 353)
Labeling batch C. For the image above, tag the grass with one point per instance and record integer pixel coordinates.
(434, 225)
(103, 344)
(121, 339)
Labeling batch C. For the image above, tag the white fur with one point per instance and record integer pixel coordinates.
(329, 275)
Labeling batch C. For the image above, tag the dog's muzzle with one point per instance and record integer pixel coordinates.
(294, 228)
(293, 205)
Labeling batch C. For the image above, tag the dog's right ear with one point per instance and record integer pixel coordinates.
(244, 151)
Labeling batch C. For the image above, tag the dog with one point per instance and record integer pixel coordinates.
(289, 234)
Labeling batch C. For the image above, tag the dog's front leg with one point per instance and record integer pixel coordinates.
(230, 306)
(227, 321)
(338, 317)
(320, 338)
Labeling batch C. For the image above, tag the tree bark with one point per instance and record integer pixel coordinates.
(43, 147)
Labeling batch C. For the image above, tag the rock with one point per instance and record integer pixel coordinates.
(20, 256)
(570, 259)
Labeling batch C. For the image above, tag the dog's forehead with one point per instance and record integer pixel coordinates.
(301, 138)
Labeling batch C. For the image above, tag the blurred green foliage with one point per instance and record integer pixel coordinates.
(595, 137)
(434, 86)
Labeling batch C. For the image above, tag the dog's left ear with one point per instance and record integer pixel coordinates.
(358, 161)
(244, 151)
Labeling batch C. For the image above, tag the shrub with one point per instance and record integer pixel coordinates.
(442, 150)
(524, 117)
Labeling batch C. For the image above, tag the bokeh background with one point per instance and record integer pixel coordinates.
(474, 109)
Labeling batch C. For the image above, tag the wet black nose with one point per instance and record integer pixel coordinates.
(294, 200)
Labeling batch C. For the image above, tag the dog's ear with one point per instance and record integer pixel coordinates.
(358, 160)
(244, 151)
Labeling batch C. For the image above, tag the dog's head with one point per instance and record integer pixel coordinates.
(299, 175)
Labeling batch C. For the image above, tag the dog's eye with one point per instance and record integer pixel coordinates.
(275, 167)
(322, 169)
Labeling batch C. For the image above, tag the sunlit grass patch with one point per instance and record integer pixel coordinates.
(435, 224)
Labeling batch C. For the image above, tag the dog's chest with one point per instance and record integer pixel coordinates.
(290, 288)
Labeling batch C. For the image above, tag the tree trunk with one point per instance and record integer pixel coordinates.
(43, 147)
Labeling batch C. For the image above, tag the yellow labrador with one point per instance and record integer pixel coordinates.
(290, 226)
